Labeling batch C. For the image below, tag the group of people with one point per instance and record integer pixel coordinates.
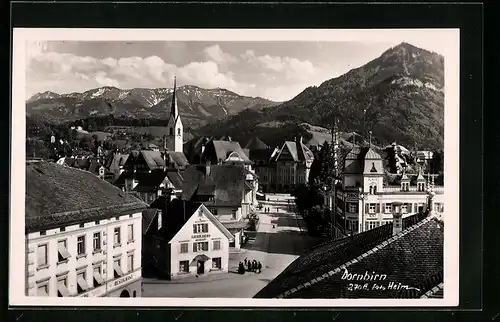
(250, 266)
(268, 209)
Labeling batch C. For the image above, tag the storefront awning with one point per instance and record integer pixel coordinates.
(63, 290)
(118, 270)
(200, 258)
(98, 278)
(82, 283)
(63, 251)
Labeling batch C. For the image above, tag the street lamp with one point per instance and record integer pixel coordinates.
(362, 197)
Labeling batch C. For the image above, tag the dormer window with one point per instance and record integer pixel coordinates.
(405, 186)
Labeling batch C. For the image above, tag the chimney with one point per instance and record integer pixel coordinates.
(397, 221)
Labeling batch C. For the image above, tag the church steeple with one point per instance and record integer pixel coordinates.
(175, 138)
(174, 110)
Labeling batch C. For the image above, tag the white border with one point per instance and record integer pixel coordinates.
(448, 37)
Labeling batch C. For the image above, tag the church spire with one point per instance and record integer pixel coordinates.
(174, 110)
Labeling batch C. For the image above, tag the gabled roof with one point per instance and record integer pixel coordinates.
(153, 159)
(299, 152)
(256, 144)
(224, 148)
(178, 158)
(57, 195)
(177, 212)
(114, 162)
(320, 260)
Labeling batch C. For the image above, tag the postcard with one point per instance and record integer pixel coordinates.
(248, 168)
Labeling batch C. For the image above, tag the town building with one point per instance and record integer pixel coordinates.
(185, 239)
(367, 192)
(83, 235)
(292, 165)
(403, 259)
(228, 191)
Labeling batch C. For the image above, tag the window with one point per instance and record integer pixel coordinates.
(233, 214)
(42, 255)
(388, 208)
(216, 263)
(43, 290)
(200, 228)
(200, 247)
(62, 250)
(116, 236)
(82, 225)
(97, 241)
(178, 131)
(130, 263)
(62, 229)
(371, 224)
(353, 207)
(80, 245)
(404, 208)
(213, 211)
(97, 222)
(81, 279)
(184, 247)
(62, 287)
(98, 280)
(130, 233)
(117, 263)
(371, 190)
(184, 267)
(216, 244)
(371, 208)
(43, 233)
(171, 131)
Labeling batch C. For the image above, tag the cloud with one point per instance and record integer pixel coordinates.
(292, 68)
(65, 73)
(215, 53)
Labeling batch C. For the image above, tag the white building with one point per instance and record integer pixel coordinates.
(367, 195)
(83, 235)
(190, 240)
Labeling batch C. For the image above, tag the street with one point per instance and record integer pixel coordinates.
(274, 247)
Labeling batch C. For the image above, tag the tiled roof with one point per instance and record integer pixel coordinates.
(372, 155)
(178, 158)
(115, 161)
(299, 152)
(153, 159)
(57, 195)
(224, 148)
(256, 144)
(320, 260)
(226, 182)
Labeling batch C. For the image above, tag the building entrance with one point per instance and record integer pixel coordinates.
(201, 267)
(124, 293)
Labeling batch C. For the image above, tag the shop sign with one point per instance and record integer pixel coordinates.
(203, 236)
(123, 280)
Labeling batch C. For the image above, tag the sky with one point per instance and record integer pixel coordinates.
(274, 70)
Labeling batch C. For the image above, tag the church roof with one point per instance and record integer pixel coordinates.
(372, 155)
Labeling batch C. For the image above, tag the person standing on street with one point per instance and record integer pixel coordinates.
(259, 267)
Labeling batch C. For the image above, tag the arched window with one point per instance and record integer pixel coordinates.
(171, 131)
(374, 189)
(178, 131)
(371, 190)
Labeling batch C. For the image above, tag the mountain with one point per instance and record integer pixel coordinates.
(398, 96)
(196, 105)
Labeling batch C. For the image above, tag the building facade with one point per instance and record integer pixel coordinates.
(191, 241)
(75, 252)
(366, 195)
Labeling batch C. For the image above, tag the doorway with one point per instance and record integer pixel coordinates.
(201, 267)
(124, 293)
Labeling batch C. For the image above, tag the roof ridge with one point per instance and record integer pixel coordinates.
(357, 259)
(138, 202)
